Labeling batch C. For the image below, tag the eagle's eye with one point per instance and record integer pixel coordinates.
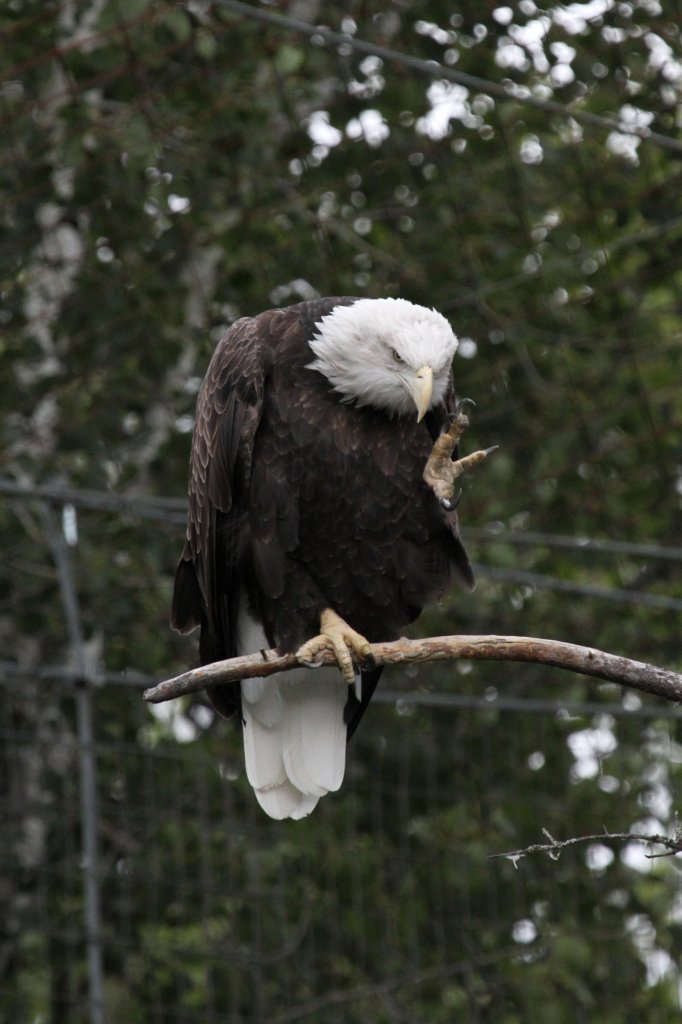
(397, 357)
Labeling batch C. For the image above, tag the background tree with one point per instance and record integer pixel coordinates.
(169, 167)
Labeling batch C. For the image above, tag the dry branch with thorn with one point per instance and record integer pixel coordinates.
(672, 844)
(650, 679)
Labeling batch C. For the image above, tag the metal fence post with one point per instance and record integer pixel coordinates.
(87, 765)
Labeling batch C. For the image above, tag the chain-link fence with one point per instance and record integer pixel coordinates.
(140, 880)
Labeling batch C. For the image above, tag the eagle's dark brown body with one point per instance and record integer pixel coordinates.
(304, 501)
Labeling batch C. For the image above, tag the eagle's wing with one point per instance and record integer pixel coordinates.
(436, 421)
(208, 577)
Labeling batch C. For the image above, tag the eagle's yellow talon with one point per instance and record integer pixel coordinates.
(347, 644)
(441, 472)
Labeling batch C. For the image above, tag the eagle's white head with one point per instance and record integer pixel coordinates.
(387, 353)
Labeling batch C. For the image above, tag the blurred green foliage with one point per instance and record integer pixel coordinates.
(167, 168)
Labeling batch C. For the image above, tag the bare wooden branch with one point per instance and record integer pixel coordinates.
(672, 844)
(650, 679)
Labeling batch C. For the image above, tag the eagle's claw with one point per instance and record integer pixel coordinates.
(462, 402)
(451, 504)
(452, 417)
(348, 645)
(442, 469)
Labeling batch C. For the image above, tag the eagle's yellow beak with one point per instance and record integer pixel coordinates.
(422, 387)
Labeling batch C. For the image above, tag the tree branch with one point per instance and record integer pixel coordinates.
(671, 844)
(650, 679)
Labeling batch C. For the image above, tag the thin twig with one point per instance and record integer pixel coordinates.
(650, 679)
(506, 90)
(672, 844)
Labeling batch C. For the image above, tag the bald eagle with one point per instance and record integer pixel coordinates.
(310, 523)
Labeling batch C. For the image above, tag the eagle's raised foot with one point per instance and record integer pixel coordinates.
(441, 472)
(348, 645)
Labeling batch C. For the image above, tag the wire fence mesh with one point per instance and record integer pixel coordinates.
(167, 167)
(386, 907)
(211, 912)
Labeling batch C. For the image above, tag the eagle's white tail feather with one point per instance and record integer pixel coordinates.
(285, 801)
(263, 741)
(315, 736)
(294, 732)
(264, 698)
(253, 690)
